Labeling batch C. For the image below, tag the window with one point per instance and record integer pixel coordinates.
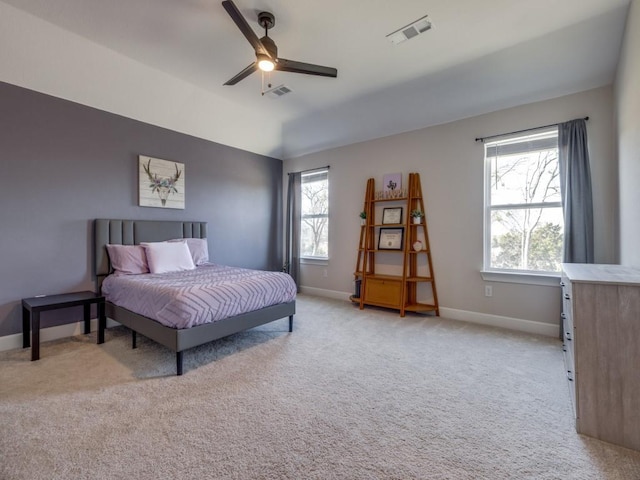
(314, 220)
(523, 210)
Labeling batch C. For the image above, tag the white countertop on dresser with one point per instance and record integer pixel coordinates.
(601, 273)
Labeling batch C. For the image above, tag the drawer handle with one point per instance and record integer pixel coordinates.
(562, 284)
(567, 336)
(570, 375)
(566, 296)
(563, 316)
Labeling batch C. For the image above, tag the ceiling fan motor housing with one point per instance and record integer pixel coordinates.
(270, 46)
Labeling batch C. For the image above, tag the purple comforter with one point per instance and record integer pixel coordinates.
(208, 293)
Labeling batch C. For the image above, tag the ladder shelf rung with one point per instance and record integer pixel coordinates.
(397, 199)
(420, 307)
(419, 279)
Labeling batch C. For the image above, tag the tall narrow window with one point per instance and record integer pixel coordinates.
(523, 210)
(314, 221)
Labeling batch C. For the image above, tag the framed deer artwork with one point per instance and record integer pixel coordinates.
(161, 183)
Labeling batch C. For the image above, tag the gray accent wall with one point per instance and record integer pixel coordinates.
(63, 164)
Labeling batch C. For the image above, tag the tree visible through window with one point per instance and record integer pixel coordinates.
(523, 220)
(314, 231)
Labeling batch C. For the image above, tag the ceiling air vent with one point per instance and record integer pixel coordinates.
(410, 31)
(277, 92)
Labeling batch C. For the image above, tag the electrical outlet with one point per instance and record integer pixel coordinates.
(488, 291)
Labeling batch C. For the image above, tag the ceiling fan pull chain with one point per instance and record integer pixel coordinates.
(268, 81)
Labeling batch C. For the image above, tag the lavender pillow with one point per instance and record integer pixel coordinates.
(166, 257)
(198, 247)
(129, 259)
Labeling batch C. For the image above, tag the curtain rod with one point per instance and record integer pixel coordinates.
(482, 139)
(311, 170)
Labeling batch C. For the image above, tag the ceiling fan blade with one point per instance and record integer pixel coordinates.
(285, 65)
(244, 27)
(243, 74)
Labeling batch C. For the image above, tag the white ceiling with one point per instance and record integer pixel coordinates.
(480, 56)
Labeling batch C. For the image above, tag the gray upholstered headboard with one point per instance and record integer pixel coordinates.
(132, 232)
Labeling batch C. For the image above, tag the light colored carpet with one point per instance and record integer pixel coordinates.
(349, 394)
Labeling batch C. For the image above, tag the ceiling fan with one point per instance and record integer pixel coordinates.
(266, 50)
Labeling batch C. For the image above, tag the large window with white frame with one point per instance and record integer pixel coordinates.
(314, 220)
(523, 218)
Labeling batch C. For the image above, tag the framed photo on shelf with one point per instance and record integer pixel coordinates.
(392, 181)
(392, 215)
(390, 238)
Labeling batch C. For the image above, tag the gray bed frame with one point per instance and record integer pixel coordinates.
(133, 232)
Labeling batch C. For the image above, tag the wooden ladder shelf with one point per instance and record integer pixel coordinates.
(412, 290)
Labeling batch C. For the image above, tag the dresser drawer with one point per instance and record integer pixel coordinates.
(569, 367)
(568, 345)
(567, 300)
(567, 328)
(383, 292)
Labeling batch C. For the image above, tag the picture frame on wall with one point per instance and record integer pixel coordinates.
(161, 183)
(392, 216)
(391, 239)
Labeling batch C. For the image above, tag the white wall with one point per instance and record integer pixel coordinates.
(450, 164)
(627, 90)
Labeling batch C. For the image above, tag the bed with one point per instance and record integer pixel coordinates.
(135, 232)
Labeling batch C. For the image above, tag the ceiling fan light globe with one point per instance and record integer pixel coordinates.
(265, 63)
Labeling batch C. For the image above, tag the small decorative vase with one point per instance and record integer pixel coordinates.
(363, 221)
(416, 220)
(417, 245)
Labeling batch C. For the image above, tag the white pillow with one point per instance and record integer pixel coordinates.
(198, 247)
(165, 257)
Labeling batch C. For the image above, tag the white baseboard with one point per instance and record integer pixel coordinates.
(9, 342)
(321, 292)
(519, 324)
(510, 323)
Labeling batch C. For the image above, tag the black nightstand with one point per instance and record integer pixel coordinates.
(31, 308)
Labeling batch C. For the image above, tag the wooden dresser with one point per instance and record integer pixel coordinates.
(601, 325)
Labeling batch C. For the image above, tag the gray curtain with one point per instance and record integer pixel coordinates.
(292, 254)
(575, 184)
